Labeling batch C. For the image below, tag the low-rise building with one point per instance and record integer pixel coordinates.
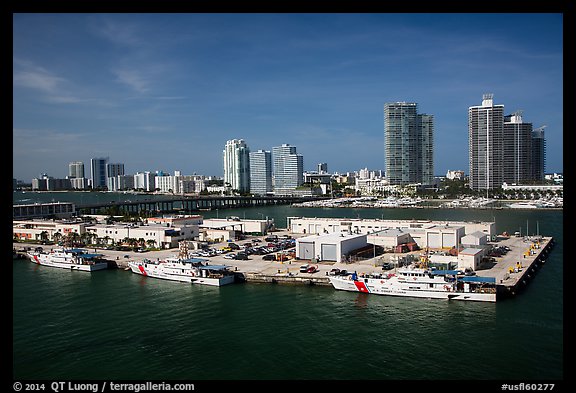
(178, 220)
(216, 235)
(389, 238)
(426, 233)
(443, 262)
(47, 230)
(156, 235)
(474, 240)
(255, 227)
(470, 258)
(442, 236)
(333, 247)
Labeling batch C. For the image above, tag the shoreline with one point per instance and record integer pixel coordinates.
(432, 203)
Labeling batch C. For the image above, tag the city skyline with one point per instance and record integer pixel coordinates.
(166, 91)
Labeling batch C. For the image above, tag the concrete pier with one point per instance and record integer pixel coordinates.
(512, 271)
(515, 269)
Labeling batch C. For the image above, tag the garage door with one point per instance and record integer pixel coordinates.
(434, 240)
(328, 252)
(306, 250)
(448, 240)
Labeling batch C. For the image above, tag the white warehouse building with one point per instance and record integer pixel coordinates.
(332, 247)
(426, 233)
(163, 236)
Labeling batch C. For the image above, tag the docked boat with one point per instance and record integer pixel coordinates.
(192, 270)
(523, 205)
(423, 283)
(71, 258)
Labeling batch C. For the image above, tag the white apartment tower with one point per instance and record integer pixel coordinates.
(485, 147)
(76, 169)
(236, 157)
(502, 148)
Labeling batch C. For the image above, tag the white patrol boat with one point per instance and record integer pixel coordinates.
(191, 270)
(417, 282)
(71, 258)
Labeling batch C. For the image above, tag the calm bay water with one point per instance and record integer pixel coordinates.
(118, 325)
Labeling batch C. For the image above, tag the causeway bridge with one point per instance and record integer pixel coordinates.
(188, 204)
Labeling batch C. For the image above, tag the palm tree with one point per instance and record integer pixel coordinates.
(151, 243)
(73, 237)
(86, 238)
(44, 236)
(57, 236)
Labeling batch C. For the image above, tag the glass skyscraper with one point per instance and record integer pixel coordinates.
(98, 172)
(260, 172)
(288, 169)
(408, 144)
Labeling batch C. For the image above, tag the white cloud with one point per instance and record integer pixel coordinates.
(37, 79)
(55, 89)
(133, 79)
(118, 33)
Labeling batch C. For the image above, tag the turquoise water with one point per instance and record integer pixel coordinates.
(117, 325)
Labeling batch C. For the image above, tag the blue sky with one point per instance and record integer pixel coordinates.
(166, 91)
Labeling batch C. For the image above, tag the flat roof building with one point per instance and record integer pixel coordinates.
(333, 247)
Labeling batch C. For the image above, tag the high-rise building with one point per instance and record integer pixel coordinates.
(112, 173)
(144, 181)
(236, 157)
(517, 149)
(485, 134)
(76, 169)
(98, 173)
(260, 172)
(409, 144)
(538, 154)
(288, 169)
(113, 170)
(502, 149)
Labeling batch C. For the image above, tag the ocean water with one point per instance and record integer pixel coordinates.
(115, 325)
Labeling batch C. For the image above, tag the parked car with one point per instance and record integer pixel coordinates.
(269, 257)
(241, 256)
